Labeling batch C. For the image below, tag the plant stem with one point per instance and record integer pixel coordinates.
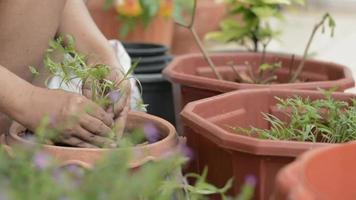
(263, 59)
(205, 53)
(291, 66)
(302, 63)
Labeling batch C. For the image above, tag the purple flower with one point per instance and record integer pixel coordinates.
(74, 170)
(114, 96)
(151, 132)
(185, 150)
(251, 180)
(41, 160)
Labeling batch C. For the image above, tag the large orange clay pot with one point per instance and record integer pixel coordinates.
(232, 154)
(160, 30)
(142, 154)
(324, 174)
(208, 17)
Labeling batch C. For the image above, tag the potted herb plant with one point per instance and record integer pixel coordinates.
(134, 20)
(259, 131)
(154, 136)
(197, 76)
(326, 173)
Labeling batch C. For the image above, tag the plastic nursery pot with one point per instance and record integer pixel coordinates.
(230, 154)
(160, 29)
(324, 174)
(157, 93)
(142, 154)
(144, 49)
(192, 79)
(152, 58)
(154, 64)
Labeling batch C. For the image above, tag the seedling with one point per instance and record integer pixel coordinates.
(324, 120)
(255, 32)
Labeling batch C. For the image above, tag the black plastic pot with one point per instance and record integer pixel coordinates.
(157, 93)
(152, 58)
(145, 49)
(153, 64)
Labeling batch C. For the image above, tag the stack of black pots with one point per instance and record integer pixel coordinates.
(157, 92)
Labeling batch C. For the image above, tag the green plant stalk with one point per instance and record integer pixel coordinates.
(306, 51)
(204, 52)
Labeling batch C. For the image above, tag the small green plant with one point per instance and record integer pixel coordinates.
(266, 73)
(254, 30)
(63, 61)
(324, 120)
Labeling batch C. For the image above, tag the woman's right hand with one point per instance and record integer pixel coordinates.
(82, 123)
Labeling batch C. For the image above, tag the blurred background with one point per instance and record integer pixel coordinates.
(138, 22)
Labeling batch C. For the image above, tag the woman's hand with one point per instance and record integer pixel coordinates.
(81, 122)
(120, 98)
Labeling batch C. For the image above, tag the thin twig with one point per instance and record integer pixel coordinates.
(302, 63)
(291, 66)
(205, 53)
(250, 71)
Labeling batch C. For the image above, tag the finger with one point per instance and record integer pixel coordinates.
(87, 93)
(124, 102)
(85, 135)
(98, 113)
(120, 122)
(76, 142)
(95, 126)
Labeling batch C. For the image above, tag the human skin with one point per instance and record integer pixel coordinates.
(26, 28)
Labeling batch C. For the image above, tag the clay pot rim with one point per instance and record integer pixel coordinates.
(245, 143)
(171, 136)
(174, 75)
(295, 172)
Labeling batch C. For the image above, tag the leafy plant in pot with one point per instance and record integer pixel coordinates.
(195, 77)
(155, 135)
(232, 129)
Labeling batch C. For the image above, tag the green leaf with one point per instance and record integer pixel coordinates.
(264, 11)
(33, 71)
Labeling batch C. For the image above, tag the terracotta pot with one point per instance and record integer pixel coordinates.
(208, 17)
(142, 154)
(192, 79)
(327, 174)
(229, 154)
(160, 30)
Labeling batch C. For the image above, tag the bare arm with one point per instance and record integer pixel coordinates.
(14, 95)
(77, 22)
(28, 105)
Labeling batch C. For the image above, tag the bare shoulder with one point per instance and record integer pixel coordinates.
(26, 27)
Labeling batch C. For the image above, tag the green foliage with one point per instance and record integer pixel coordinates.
(324, 120)
(62, 60)
(33, 174)
(254, 30)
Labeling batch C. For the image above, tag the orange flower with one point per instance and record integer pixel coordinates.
(128, 8)
(166, 8)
